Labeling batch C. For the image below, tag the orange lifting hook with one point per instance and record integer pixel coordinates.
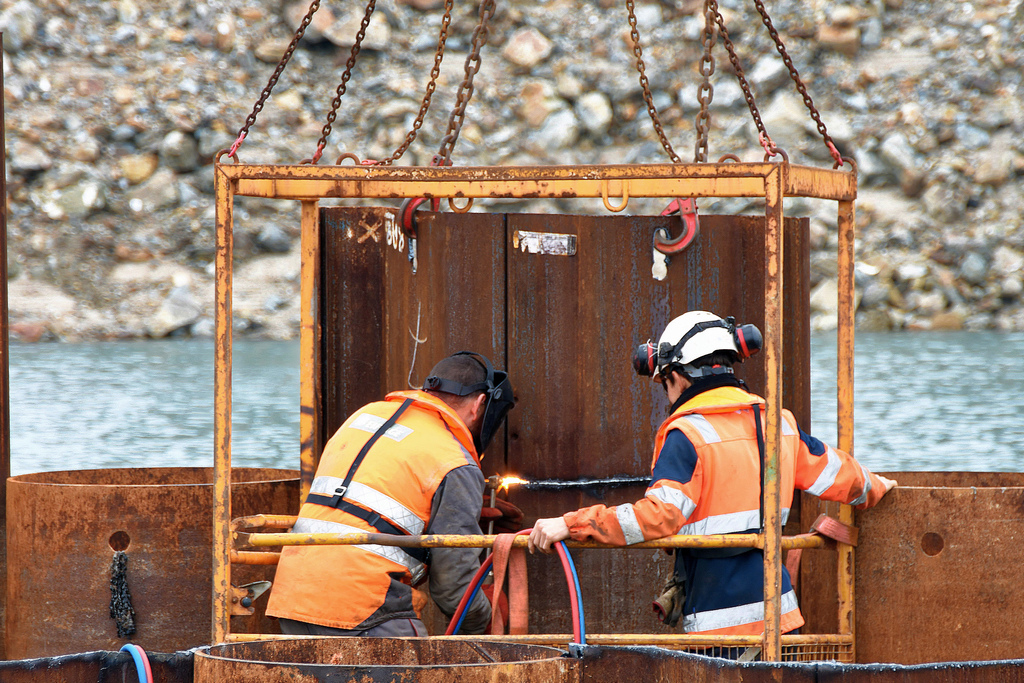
(687, 210)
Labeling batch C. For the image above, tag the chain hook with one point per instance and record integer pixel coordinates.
(776, 151)
(687, 210)
(836, 156)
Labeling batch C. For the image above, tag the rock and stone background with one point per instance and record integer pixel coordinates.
(116, 108)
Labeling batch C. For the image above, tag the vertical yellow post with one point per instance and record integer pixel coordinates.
(847, 228)
(221, 607)
(775, 184)
(309, 341)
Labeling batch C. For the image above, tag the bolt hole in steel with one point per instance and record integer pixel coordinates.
(932, 544)
(120, 540)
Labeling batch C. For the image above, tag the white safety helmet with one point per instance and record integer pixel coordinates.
(691, 336)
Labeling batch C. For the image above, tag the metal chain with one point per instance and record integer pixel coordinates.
(465, 93)
(741, 77)
(265, 95)
(342, 87)
(799, 83)
(446, 21)
(652, 111)
(121, 610)
(706, 91)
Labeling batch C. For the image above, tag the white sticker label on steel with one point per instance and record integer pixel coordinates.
(551, 243)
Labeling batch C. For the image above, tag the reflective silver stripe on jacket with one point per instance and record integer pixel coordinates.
(675, 498)
(371, 423)
(731, 523)
(787, 429)
(828, 475)
(630, 526)
(304, 525)
(701, 424)
(371, 498)
(729, 617)
(863, 497)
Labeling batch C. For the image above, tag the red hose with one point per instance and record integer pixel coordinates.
(574, 599)
(477, 578)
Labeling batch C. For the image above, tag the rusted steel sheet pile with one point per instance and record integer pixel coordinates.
(564, 325)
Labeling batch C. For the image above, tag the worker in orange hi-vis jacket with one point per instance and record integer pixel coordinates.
(407, 465)
(706, 479)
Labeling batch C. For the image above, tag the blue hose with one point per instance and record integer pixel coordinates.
(140, 663)
(472, 597)
(579, 593)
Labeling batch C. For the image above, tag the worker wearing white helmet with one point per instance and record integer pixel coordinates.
(706, 479)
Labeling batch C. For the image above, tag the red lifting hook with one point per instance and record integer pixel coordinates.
(687, 210)
(407, 213)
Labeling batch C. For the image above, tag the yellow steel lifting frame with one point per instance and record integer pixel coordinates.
(309, 183)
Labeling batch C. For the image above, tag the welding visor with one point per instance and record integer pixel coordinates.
(497, 388)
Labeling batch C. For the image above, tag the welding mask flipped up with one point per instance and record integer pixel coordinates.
(496, 387)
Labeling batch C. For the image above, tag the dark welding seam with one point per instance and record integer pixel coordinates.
(559, 484)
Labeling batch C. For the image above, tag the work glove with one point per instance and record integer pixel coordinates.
(488, 590)
(668, 606)
(507, 517)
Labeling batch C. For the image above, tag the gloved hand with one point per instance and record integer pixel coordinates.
(507, 517)
(488, 590)
(668, 606)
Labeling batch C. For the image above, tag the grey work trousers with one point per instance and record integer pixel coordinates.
(394, 628)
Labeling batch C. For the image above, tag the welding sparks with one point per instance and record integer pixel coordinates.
(511, 481)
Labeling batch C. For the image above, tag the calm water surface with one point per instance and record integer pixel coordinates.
(935, 401)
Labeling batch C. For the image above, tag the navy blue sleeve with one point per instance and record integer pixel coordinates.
(815, 446)
(677, 460)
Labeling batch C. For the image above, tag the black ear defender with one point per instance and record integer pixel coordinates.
(748, 340)
(645, 359)
(647, 356)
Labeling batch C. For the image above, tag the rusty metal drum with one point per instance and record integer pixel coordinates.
(411, 660)
(937, 570)
(73, 535)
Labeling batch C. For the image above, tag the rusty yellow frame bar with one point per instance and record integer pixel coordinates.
(613, 183)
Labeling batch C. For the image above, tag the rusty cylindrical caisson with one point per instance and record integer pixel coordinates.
(65, 532)
(411, 660)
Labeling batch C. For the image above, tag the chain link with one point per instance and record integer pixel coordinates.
(343, 86)
(265, 95)
(652, 111)
(442, 38)
(742, 78)
(799, 83)
(465, 93)
(705, 92)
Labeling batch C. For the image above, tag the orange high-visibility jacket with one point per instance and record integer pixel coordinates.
(358, 587)
(706, 480)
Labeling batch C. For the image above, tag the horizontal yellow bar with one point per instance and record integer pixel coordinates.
(249, 557)
(558, 639)
(500, 189)
(609, 181)
(265, 540)
(263, 522)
